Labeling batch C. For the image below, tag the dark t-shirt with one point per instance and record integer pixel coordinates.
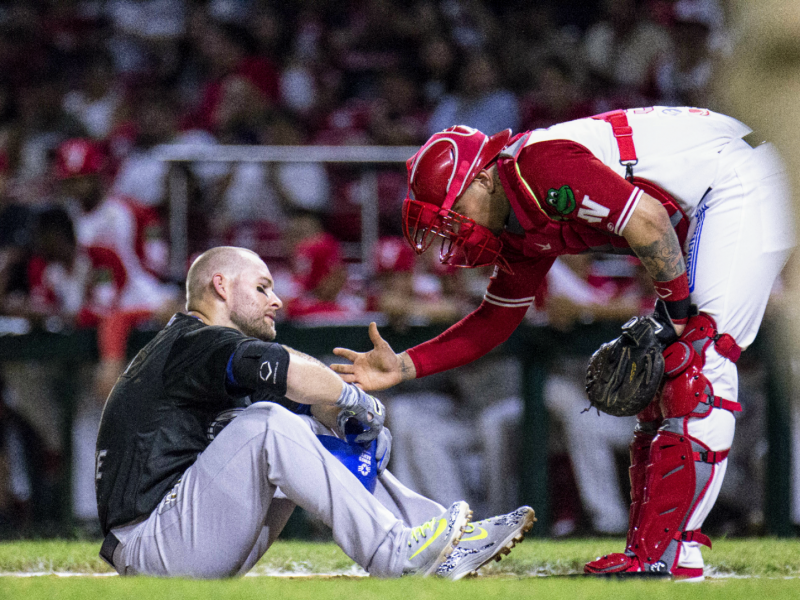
(155, 420)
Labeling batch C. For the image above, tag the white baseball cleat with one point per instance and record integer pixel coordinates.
(487, 540)
(432, 542)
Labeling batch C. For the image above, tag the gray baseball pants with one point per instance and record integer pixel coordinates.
(231, 504)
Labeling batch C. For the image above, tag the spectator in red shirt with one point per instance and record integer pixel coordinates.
(321, 273)
(407, 296)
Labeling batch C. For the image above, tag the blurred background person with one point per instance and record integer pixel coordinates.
(28, 476)
(621, 51)
(683, 75)
(763, 58)
(479, 100)
(321, 276)
(410, 291)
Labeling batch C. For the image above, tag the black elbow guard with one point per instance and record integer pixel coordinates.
(260, 365)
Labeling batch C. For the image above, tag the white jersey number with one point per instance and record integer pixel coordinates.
(592, 211)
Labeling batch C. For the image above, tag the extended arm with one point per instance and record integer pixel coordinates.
(504, 306)
(472, 337)
(309, 381)
(257, 365)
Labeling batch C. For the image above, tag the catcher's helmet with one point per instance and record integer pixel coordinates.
(77, 157)
(437, 175)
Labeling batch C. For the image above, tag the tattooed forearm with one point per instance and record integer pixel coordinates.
(663, 258)
(306, 356)
(407, 368)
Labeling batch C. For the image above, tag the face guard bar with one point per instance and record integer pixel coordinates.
(464, 242)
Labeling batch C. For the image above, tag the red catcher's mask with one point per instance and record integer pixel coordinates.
(437, 175)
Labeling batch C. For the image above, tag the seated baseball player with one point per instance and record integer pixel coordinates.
(184, 489)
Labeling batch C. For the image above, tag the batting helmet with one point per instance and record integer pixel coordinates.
(77, 157)
(359, 459)
(437, 176)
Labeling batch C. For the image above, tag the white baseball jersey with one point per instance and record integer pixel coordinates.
(678, 148)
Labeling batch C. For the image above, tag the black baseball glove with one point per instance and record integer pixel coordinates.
(624, 374)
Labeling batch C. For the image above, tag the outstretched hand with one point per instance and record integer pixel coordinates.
(378, 369)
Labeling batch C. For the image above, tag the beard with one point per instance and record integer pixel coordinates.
(254, 326)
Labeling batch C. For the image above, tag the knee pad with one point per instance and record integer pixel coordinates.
(686, 390)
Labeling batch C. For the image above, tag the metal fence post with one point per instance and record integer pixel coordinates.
(533, 449)
(178, 221)
(778, 493)
(369, 220)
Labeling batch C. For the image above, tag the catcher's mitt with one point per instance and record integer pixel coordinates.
(624, 374)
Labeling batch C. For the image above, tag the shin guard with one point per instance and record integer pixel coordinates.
(679, 472)
(640, 454)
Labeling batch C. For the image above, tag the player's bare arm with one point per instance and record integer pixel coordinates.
(652, 238)
(378, 369)
(309, 381)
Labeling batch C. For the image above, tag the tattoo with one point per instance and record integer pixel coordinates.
(306, 356)
(663, 258)
(407, 370)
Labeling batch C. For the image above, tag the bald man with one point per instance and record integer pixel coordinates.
(179, 495)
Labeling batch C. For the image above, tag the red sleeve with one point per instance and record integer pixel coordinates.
(571, 183)
(504, 306)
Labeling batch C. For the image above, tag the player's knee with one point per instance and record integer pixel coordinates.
(686, 390)
(258, 417)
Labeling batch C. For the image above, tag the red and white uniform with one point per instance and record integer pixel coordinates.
(113, 225)
(739, 236)
(695, 155)
(87, 292)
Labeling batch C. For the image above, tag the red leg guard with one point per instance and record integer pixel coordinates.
(678, 474)
(640, 454)
(671, 472)
(619, 562)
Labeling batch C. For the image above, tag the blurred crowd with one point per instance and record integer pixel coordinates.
(88, 89)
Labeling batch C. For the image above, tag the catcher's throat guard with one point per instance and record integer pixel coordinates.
(438, 174)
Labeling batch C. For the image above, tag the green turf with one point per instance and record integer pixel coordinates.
(746, 569)
(406, 589)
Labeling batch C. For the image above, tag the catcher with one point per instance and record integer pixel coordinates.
(707, 214)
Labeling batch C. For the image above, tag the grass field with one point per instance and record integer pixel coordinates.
(751, 569)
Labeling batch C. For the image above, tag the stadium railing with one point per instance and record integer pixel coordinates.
(189, 153)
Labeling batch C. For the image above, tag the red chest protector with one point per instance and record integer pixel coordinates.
(547, 236)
